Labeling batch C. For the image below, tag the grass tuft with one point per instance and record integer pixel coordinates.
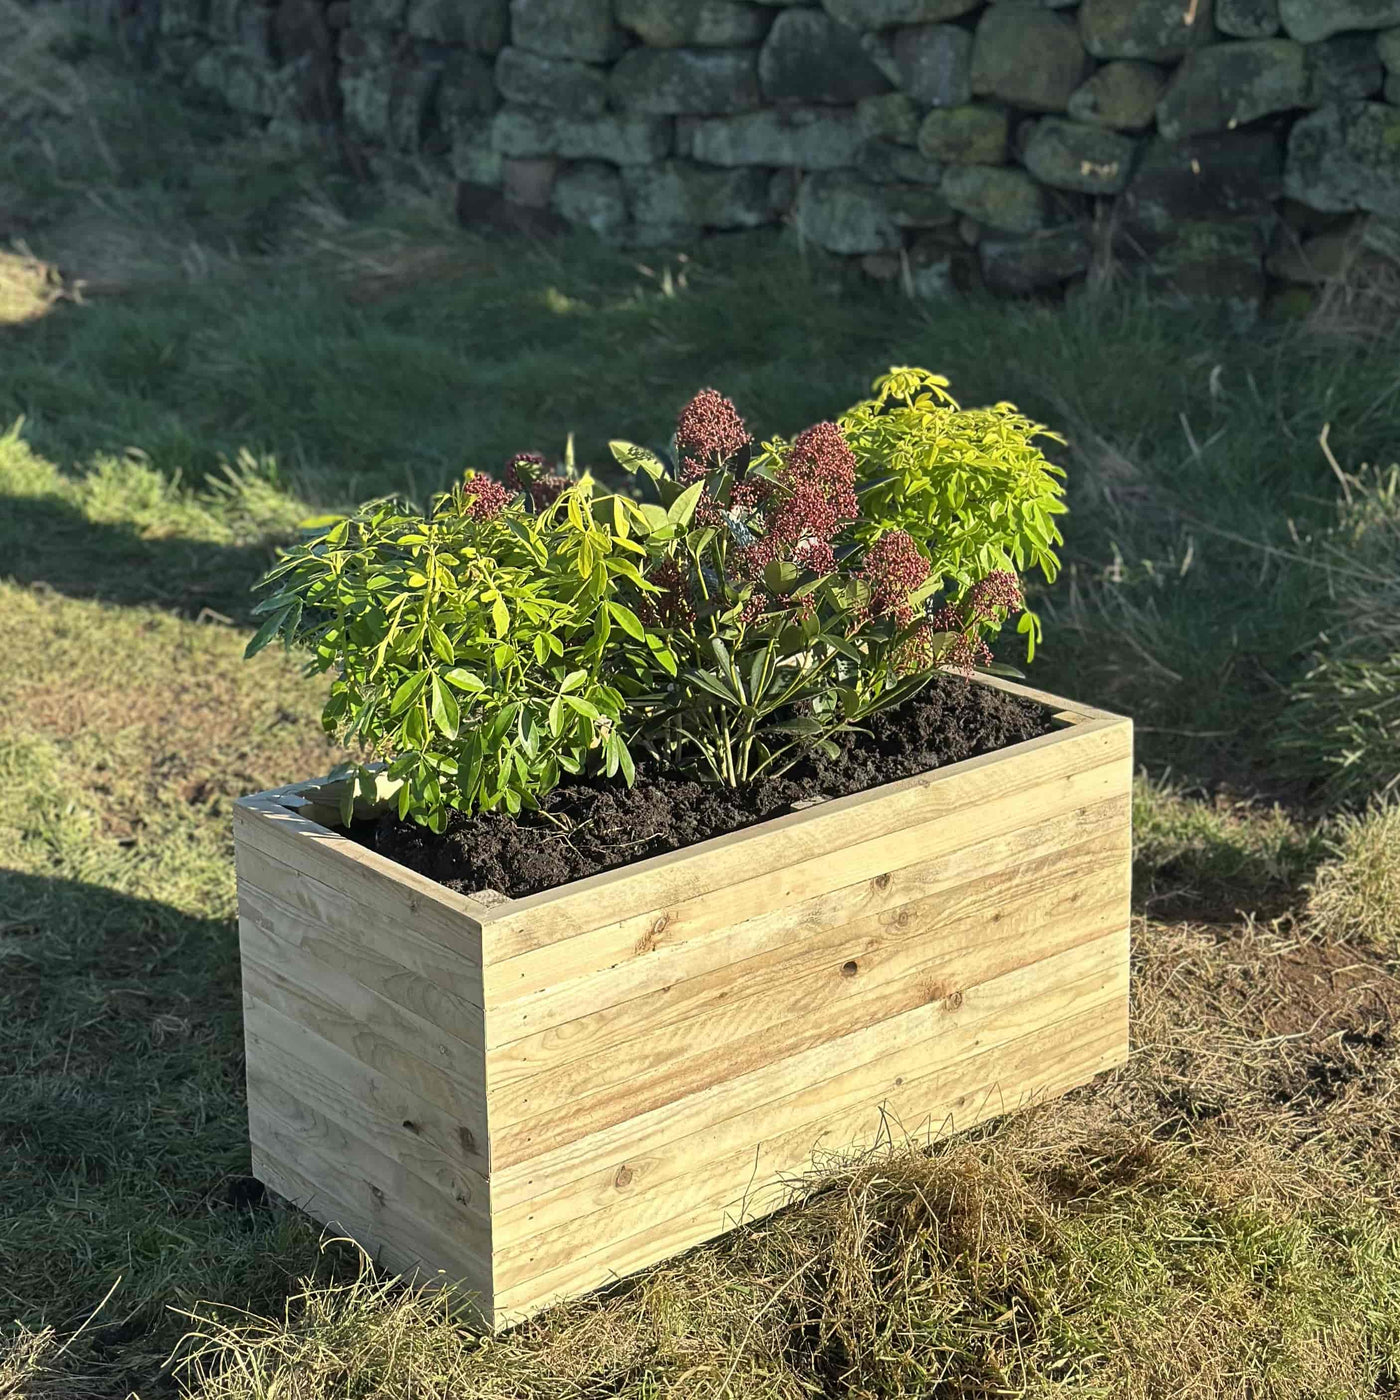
(1355, 894)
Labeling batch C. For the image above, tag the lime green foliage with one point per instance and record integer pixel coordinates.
(480, 647)
(968, 484)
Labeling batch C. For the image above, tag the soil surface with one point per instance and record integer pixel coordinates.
(589, 826)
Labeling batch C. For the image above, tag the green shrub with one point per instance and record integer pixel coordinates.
(968, 484)
(752, 611)
(480, 647)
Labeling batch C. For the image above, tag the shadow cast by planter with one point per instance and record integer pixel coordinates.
(45, 542)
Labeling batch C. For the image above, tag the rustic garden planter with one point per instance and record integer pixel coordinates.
(534, 1096)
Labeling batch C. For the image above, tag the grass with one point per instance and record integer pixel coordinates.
(207, 336)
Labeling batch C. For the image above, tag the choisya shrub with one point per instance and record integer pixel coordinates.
(481, 647)
(763, 599)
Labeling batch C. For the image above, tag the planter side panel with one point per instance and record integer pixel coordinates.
(935, 954)
(364, 1036)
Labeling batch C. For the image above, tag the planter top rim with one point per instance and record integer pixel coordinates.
(307, 809)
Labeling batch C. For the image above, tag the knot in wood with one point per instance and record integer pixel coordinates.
(882, 882)
(952, 1001)
(849, 969)
(623, 1179)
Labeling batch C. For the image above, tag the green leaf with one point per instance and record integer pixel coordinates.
(442, 648)
(265, 634)
(683, 507)
(500, 617)
(446, 713)
(404, 695)
(627, 620)
(584, 707)
(464, 680)
(572, 681)
(633, 459)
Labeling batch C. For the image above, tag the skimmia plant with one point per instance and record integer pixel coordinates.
(755, 600)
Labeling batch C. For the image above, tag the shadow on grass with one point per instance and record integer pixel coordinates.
(123, 1129)
(47, 543)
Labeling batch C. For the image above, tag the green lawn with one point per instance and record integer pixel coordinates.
(258, 340)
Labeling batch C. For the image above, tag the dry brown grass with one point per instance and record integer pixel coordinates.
(29, 287)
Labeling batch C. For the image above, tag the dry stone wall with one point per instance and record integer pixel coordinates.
(942, 141)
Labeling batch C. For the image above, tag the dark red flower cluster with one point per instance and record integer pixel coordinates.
(525, 472)
(709, 431)
(999, 591)
(757, 603)
(894, 568)
(814, 498)
(672, 607)
(485, 496)
(968, 650)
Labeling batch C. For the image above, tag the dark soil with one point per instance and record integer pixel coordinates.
(588, 826)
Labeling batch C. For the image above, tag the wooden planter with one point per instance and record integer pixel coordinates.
(535, 1096)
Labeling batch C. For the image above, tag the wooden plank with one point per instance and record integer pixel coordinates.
(680, 982)
(361, 933)
(353, 1205)
(778, 893)
(463, 1220)
(430, 1139)
(396, 1043)
(1078, 712)
(822, 993)
(329, 964)
(637, 895)
(591, 1251)
(390, 889)
(764, 1101)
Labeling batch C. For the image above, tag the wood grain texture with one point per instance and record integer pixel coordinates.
(534, 1096)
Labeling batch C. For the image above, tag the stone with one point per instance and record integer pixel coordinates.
(386, 91)
(1226, 85)
(1314, 261)
(674, 24)
(1205, 262)
(809, 57)
(1158, 30)
(466, 98)
(686, 82)
(891, 116)
(1123, 95)
(1388, 50)
(842, 213)
(615, 136)
(933, 63)
(887, 164)
(473, 159)
(306, 44)
(1231, 176)
(1345, 67)
(1346, 156)
(1247, 19)
(581, 29)
(1307, 21)
(677, 193)
(529, 182)
(917, 206)
(999, 197)
(933, 275)
(782, 190)
(1392, 89)
(562, 84)
(971, 135)
(478, 24)
(885, 14)
(366, 14)
(590, 195)
(1027, 56)
(1033, 262)
(882, 267)
(1074, 156)
(811, 138)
